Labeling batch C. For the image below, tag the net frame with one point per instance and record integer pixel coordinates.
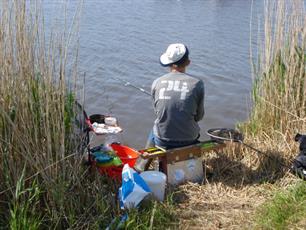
(225, 134)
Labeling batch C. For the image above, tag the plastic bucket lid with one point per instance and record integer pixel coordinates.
(156, 181)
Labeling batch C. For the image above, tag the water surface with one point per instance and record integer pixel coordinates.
(124, 39)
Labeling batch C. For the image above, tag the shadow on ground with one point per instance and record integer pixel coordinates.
(237, 170)
(266, 168)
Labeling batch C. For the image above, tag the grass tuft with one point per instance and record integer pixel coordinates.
(23, 213)
(279, 104)
(284, 210)
(150, 215)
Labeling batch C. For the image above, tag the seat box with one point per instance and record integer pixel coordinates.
(187, 170)
(184, 164)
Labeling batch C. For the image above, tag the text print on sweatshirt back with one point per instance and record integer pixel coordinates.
(170, 86)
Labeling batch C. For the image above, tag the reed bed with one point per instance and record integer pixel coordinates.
(279, 109)
(42, 181)
(279, 90)
(245, 189)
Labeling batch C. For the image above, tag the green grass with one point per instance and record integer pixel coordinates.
(23, 207)
(150, 215)
(279, 103)
(279, 74)
(285, 210)
(42, 186)
(43, 183)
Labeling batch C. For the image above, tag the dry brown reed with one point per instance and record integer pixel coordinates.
(215, 206)
(239, 179)
(36, 132)
(37, 137)
(279, 74)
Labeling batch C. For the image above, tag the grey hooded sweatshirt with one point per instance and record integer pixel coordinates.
(178, 101)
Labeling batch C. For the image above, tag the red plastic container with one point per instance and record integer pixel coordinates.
(112, 171)
(126, 154)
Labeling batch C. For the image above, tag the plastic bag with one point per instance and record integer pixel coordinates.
(133, 190)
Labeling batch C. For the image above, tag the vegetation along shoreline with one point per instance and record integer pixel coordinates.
(45, 184)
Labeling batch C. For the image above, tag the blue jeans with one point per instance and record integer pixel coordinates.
(155, 141)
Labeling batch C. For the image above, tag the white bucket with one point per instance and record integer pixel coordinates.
(157, 183)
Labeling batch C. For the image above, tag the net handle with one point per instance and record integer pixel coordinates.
(240, 140)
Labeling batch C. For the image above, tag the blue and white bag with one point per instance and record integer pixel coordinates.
(133, 190)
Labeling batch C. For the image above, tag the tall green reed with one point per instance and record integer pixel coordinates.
(43, 183)
(23, 205)
(38, 139)
(279, 89)
(279, 103)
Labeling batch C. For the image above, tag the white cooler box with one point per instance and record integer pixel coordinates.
(183, 164)
(188, 170)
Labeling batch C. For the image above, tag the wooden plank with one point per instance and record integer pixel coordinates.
(152, 153)
(183, 152)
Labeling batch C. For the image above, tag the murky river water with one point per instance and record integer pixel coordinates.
(124, 39)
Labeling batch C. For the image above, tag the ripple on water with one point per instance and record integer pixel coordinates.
(125, 39)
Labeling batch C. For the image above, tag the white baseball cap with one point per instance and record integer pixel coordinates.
(174, 53)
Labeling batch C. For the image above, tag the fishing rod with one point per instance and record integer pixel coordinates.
(127, 83)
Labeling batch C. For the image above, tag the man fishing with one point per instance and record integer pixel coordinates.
(178, 101)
